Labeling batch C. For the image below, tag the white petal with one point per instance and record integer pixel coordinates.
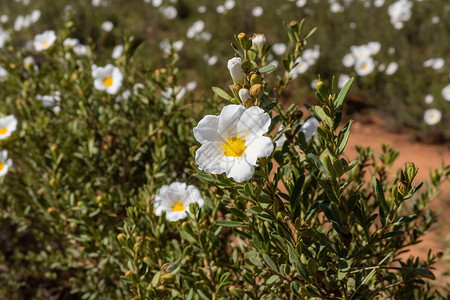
(253, 123)
(261, 147)
(241, 170)
(228, 120)
(98, 84)
(206, 129)
(211, 158)
(173, 216)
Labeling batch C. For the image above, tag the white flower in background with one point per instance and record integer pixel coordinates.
(211, 60)
(352, 25)
(391, 68)
(432, 116)
(244, 94)
(374, 47)
(301, 67)
(221, 9)
(336, 7)
(35, 15)
(446, 92)
(44, 40)
(313, 84)
(69, 43)
(378, 3)
(191, 85)
(5, 163)
(117, 51)
(400, 12)
(19, 23)
(195, 29)
(96, 3)
(300, 3)
(157, 3)
(381, 67)
(8, 125)
(4, 37)
(107, 26)
(279, 48)
(257, 11)
(361, 53)
(168, 12)
(164, 45)
(342, 80)
(3, 74)
(80, 49)
(438, 63)
(364, 68)
(429, 99)
(258, 39)
(229, 4)
(309, 128)
(29, 61)
(108, 78)
(4, 19)
(169, 93)
(234, 66)
(391, 50)
(51, 101)
(348, 60)
(201, 9)
(280, 141)
(435, 19)
(233, 141)
(174, 200)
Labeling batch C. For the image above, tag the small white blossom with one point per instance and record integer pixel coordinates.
(117, 51)
(432, 116)
(8, 125)
(446, 92)
(44, 40)
(108, 78)
(107, 26)
(5, 163)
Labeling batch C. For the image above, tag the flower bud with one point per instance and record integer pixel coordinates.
(402, 188)
(244, 94)
(244, 41)
(255, 79)
(234, 66)
(256, 90)
(258, 39)
(121, 237)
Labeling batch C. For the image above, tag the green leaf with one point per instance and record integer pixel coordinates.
(310, 33)
(256, 262)
(310, 291)
(379, 194)
(391, 234)
(295, 288)
(343, 93)
(221, 93)
(420, 271)
(225, 223)
(266, 69)
(344, 134)
(318, 164)
(272, 279)
(156, 278)
(269, 261)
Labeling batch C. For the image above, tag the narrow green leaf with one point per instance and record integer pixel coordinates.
(343, 93)
(269, 261)
(221, 93)
(225, 223)
(266, 69)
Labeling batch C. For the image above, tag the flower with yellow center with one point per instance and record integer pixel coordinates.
(233, 141)
(7, 126)
(44, 40)
(5, 163)
(432, 116)
(107, 78)
(365, 67)
(174, 200)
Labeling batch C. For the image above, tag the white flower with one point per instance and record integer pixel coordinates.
(35, 15)
(28, 61)
(400, 12)
(44, 40)
(429, 99)
(117, 51)
(50, 100)
(279, 143)
(301, 67)
(313, 84)
(4, 18)
(69, 43)
(348, 60)
(169, 93)
(374, 47)
(201, 9)
(342, 80)
(309, 128)
(191, 85)
(300, 3)
(229, 4)
(107, 26)
(378, 3)
(4, 36)
(446, 92)
(220, 9)
(169, 12)
(432, 116)
(3, 74)
(336, 7)
(279, 48)
(258, 39)
(195, 29)
(391, 68)
(234, 66)
(96, 3)
(364, 68)
(211, 60)
(107, 78)
(233, 141)
(244, 94)
(5, 163)
(438, 63)
(80, 49)
(257, 11)
(156, 3)
(435, 19)
(7, 126)
(361, 53)
(174, 200)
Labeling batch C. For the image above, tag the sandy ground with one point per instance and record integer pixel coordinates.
(426, 157)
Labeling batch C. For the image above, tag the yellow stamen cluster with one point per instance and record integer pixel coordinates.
(178, 206)
(3, 130)
(1, 166)
(234, 146)
(108, 81)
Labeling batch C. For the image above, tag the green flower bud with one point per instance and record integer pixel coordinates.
(255, 79)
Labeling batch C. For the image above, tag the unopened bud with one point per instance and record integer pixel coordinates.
(241, 36)
(53, 147)
(128, 273)
(255, 79)
(256, 90)
(293, 23)
(244, 94)
(402, 188)
(234, 66)
(121, 237)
